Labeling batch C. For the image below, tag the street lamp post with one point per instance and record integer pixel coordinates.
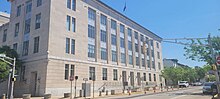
(3, 57)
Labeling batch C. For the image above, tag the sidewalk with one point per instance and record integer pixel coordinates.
(151, 92)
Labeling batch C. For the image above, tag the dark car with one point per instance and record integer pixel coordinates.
(209, 88)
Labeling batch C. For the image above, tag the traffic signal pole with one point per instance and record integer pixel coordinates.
(214, 65)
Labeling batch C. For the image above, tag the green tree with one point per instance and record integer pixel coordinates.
(202, 53)
(4, 68)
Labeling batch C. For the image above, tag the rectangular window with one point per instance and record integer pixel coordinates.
(159, 66)
(142, 38)
(37, 21)
(36, 44)
(103, 36)
(148, 52)
(151, 42)
(137, 61)
(5, 35)
(122, 28)
(25, 48)
(68, 23)
(142, 50)
(73, 24)
(114, 56)
(103, 53)
(91, 31)
(68, 3)
(153, 64)
(104, 73)
(73, 46)
(27, 26)
(130, 59)
(18, 11)
(67, 45)
(15, 46)
(74, 5)
(66, 75)
(147, 40)
(91, 14)
(72, 68)
(130, 45)
(157, 45)
(158, 55)
(144, 78)
(123, 58)
(91, 51)
(39, 3)
(143, 62)
(91, 73)
(136, 47)
(16, 29)
(113, 24)
(28, 6)
(148, 63)
(138, 79)
(122, 42)
(129, 32)
(113, 39)
(152, 53)
(149, 76)
(136, 35)
(103, 20)
(154, 77)
(115, 74)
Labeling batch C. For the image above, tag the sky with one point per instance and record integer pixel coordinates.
(169, 19)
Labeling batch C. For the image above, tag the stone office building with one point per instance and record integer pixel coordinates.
(86, 38)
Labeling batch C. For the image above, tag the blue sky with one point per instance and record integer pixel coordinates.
(169, 19)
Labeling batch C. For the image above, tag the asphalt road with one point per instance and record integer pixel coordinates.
(189, 93)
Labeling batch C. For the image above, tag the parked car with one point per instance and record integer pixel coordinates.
(183, 84)
(209, 88)
(197, 84)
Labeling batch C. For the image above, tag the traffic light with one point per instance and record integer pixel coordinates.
(214, 67)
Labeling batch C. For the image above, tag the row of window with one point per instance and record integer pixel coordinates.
(28, 7)
(70, 71)
(26, 46)
(27, 27)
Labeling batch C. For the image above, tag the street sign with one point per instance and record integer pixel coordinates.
(218, 60)
(71, 78)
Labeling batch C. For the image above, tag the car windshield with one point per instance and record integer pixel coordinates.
(183, 82)
(208, 84)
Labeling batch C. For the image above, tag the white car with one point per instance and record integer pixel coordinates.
(183, 84)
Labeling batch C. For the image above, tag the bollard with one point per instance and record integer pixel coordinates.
(3, 96)
(129, 92)
(100, 93)
(106, 92)
(154, 88)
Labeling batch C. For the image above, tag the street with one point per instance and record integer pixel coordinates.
(189, 93)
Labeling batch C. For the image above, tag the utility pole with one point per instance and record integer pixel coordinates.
(13, 79)
(214, 65)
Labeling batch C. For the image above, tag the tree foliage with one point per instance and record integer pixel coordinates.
(176, 74)
(4, 67)
(202, 53)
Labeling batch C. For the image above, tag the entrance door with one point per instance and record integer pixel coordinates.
(124, 79)
(33, 84)
(132, 79)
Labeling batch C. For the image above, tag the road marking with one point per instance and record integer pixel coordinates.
(178, 97)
